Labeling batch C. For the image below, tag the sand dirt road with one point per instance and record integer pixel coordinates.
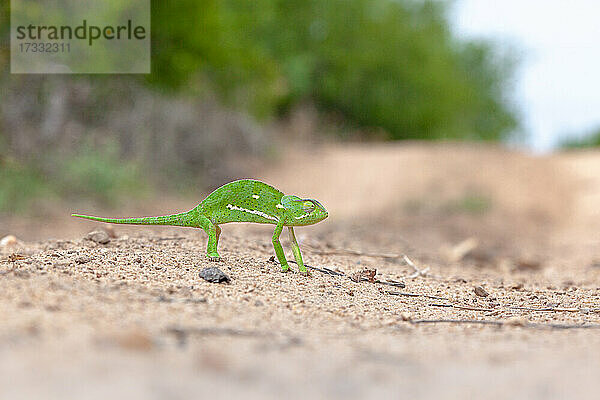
(132, 319)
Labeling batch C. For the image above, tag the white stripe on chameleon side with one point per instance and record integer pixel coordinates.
(255, 196)
(255, 212)
(279, 206)
(302, 216)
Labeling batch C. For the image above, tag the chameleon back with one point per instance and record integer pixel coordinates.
(246, 200)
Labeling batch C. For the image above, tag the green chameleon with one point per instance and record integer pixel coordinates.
(245, 200)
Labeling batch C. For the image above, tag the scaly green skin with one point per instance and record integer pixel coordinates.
(245, 200)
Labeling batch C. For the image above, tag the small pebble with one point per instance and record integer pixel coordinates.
(9, 240)
(98, 237)
(214, 275)
(82, 260)
(481, 292)
(516, 321)
(110, 231)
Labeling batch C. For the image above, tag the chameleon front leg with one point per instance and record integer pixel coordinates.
(296, 250)
(278, 249)
(213, 231)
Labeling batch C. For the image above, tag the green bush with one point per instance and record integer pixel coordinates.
(471, 203)
(90, 176)
(378, 63)
(590, 140)
(20, 185)
(99, 175)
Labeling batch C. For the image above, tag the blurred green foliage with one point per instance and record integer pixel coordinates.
(472, 203)
(384, 64)
(100, 174)
(20, 184)
(589, 140)
(94, 173)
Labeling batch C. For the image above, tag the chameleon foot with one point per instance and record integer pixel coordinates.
(285, 268)
(214, 257)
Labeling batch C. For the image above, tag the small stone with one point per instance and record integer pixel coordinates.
(214, 275)
(365, 275)
(516, 321)
(98, 237)
(481, 292)
(8, 240)
(404, 316)
(110, 231)
(82, 260)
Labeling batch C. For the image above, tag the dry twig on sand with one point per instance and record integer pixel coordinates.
(353, 277)
(341, 251)
(527, 325)
(505, 309)
(416, 295)
(418, 271)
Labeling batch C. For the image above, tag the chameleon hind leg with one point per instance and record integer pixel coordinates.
(213, 231)
(278, 249)
(296, 250)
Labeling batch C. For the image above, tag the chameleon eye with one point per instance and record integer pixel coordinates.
(308, 206)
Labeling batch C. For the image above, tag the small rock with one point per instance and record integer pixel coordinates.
(98, 237)
(404, 316)
(8, 240)
(516, 321)
(364, 275)
(214, 275)
(110, 231)
(82, 260)
(481, 292)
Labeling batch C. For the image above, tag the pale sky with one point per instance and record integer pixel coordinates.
(558, 83)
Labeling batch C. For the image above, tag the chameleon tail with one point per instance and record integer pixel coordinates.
(182, 219)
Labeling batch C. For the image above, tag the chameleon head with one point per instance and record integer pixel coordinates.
(304, 211)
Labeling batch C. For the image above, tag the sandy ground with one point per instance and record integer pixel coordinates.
(507, 304)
